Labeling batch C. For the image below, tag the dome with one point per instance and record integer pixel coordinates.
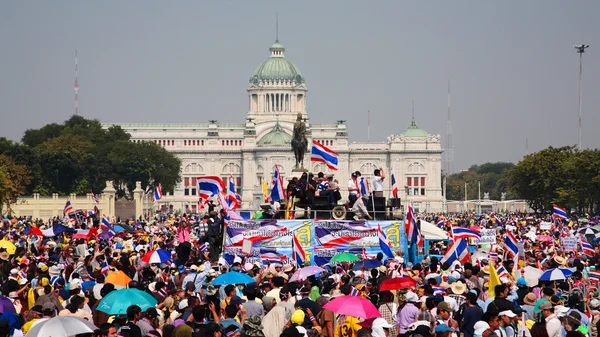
(275, 137)
(414, 131)
(277, 68)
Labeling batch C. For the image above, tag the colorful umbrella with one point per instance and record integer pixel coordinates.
(344, 257)
(355, 306)
(368, 264)
(61, 326)
(157, 256)
(397, 283)
(588, 231)
(118, 278)
(544, 238)
(9, 246)
(305, 272)
(233, 277)
(117, 302)
(556, 274)
(6, 305)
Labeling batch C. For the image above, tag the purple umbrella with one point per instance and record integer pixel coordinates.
(105, 235)
(305, 272)
(6, 305)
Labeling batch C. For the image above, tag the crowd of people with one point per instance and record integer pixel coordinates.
(70, 275)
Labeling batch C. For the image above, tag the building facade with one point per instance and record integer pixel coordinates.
(248, 152)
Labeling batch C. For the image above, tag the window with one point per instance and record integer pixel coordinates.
(193, 191)
(422, 191)
(423, 181)
(186, 191)
(409, 181)
(193, 181)
(186, 181)
(184, 142)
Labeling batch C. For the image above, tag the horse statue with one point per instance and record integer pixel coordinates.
(299, 142)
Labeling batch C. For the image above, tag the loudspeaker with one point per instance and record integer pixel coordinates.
(379, 203)
(321, 207)
(395, 202)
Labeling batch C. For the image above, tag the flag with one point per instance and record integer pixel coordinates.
(68, 208)
(265, 190)
(458, 251)
(277, 189)
(498, 222)
(96, 200)
(162, 293)
(57, 230)
(158, 193)
(464, 233)
(502, 272)
(270, 258)
(414, 234)
(587, 248)
(511, 243)
(394, 186)
(364, 254)
(322, 154)
(298, 253)
(33, 231)
(440, 223)
(209, 186)
(105, 224)
(104, 268)
(233, 199)
(354, 292)
(22, 275)
(493, 255)
(494, 281)
(363, 186)
(438, 290)
(558, 212)
(204, 247)
(384, 243)
(594, 276)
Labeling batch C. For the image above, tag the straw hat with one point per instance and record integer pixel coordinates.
(486, 269)
(529, 299)
(559, 260)
(458, 287)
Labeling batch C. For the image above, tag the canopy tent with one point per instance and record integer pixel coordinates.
(432, 232)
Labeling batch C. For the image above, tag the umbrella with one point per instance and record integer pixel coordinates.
(61, 326)
(305, 272)
(368, 264)
(117, 302)
(9, 246)
(355, 306)
(530, 274)
(556, 274)
(233, 277)
(344, 257)
(105, 235)
(157, 256)
(544, 238)
(119, 229)
(6, 305)
(591, 231)
(397, 283)
(118, 278)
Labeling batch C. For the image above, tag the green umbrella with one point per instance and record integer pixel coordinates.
(117, 302)
(344, 257)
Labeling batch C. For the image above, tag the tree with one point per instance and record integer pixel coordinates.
(13, 181)
(492, 177)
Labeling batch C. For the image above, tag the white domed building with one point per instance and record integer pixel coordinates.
(248, 152)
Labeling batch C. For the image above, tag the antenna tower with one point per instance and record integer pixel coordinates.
(76, 87)
(449, 146)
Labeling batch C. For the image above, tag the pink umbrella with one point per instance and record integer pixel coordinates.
(305, 272)
(355, 306)
(544, 238)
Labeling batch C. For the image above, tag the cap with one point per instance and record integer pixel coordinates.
(480, 328)
(151, 313)
(545, 305)
(411, 297)
(181, 268)
(442, 328)
(236, 300)
(48, 306)
(445, 307)
(288, 268)
(14, 271)
(507, 313)
(193, 267)
(74, 285)
(298, 317)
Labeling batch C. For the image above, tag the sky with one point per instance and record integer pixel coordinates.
(511, 64)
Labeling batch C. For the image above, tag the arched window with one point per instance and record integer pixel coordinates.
(367, 169)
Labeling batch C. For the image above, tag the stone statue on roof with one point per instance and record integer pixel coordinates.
(299, 142)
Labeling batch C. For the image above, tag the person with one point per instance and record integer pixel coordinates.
(388, 310)
(408, 314)
(348, 328)
(306, 304)
(252, 307)
(75, 308)
(500, 302)
(149, 321)
(553, 324)
(381, 328)
(106, 330)
(481, 329)
(444, 314)
(505, 328)
(528, 305)
(443, 330)
(360, 210)
(352, 189)
(472, 313)
(134, 314)
(378, 182)
(539, 330)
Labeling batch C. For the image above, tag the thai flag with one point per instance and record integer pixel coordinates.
(162, 293)
(204, 247)
(502, 272)
(438, 290)
(22, 275)
(594, 276)
(89, 214)
(464, 233)
(384, 243)
(322, 154)
(364, 254)
(270, 258)
(354, 292)
(339, 269)
(104, 268)
(493, 255)
(458, 251)
(209, 186)
(157, 193)
(363, 186)
(68, 208)
(498, 222)
(105, 224)
(96, 200)
(587, 248)
(298, 253)
(403, 272)
(558, 212)
(440, 223)
(233, 199)
(277, 190)
(394, 186)
(511, 243)
(66, 262)
(412, 229)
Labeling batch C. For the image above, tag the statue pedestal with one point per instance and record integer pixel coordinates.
(296, 173)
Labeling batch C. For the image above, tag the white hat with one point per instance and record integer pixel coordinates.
(53, 270)
(183, 304)
(193, 267)
(14, 271)
(480, 327)
(381, 323)
(411, 297)
(237, 259)
(561, 310)
(507, 313)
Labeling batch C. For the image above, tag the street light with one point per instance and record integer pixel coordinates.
(580, 49)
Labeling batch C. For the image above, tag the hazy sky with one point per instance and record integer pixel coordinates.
(512, 66)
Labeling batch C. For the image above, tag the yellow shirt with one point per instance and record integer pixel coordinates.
(349, 328)
(27, 325)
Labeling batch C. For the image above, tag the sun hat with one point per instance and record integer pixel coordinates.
(458, 287)
(480, 328)
(530, 299)
(507, 313)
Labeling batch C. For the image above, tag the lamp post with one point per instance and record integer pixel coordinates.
(580, 49)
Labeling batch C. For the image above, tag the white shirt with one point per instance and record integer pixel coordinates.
(377, 184)
(276, 206)
(553, 326)
(352, 184)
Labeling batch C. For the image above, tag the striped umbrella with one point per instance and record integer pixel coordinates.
(588, 231)
(157, 256)
(556, 274)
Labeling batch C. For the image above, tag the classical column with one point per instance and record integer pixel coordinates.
(138, 194)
